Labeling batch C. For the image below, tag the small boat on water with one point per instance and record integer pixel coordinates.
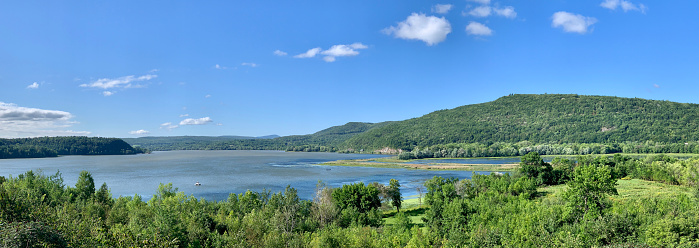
(197, 184)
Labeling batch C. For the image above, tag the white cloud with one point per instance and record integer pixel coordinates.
(572, 23)
(310, 53)
(107, 93)
(191, 121)
(481, 1)
(481, 11)
(217, 66)
(430, 29)
(249, 64)
(280, 53)
(207, 96)
(33, 86)
(442, 8)
(656, 85)
(358, 45)
(625, 5)
(18, 121)
(475, 28)
(184, 115)
(507, 11)
(340, 50)
(334, 51)
(168, 126)
(139, 132)
(329, 59)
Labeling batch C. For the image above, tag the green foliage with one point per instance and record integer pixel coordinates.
(85, 187)
(533, 166)
(587, 191)
(496, 210)
(358, 204)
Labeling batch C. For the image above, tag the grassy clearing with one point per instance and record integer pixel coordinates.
(631, 189)
(415, 215)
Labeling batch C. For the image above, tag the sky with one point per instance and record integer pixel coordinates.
(254, 68)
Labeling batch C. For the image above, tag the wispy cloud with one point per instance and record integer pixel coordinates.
(480, 1)
(139, 132)
(34, 85)
(122, 82)
(430, 29)
(656, 85)
(476, 28)
(625, 5)
(111, 85)
(168, 126)
(485, 11)
(280, 53)
(16, 121)
(310, 53)
(442, 8)
(191, 121)
(572, 23)
(249, 64)
(184, 115)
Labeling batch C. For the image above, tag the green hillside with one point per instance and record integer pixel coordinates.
(548, 118)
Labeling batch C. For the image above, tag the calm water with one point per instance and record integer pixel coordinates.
(220, 172)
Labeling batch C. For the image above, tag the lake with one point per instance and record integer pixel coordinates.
(221, 172)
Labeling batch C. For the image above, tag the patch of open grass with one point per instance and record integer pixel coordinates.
(414, 214)
(631, 189)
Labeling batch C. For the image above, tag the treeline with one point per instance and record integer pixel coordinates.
(497, 210)
(502, 149)
(541, 119)
(54, 146)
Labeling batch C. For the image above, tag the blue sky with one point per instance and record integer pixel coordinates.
(164, 68)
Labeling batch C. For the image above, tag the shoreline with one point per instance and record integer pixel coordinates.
(434, 166)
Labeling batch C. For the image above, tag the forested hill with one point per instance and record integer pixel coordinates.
(54, 146)
(325, 140)
(548, 118)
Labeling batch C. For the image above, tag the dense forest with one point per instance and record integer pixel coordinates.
(588, 202)
(55, 146)
(541, 119)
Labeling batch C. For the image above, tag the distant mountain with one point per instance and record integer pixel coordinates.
(547, 118)
(325, 140)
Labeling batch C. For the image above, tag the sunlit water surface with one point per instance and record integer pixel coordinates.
(221, 172)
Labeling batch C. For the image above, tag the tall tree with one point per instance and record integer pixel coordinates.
(394, 194)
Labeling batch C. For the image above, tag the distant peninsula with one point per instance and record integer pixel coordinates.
(57, 146)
